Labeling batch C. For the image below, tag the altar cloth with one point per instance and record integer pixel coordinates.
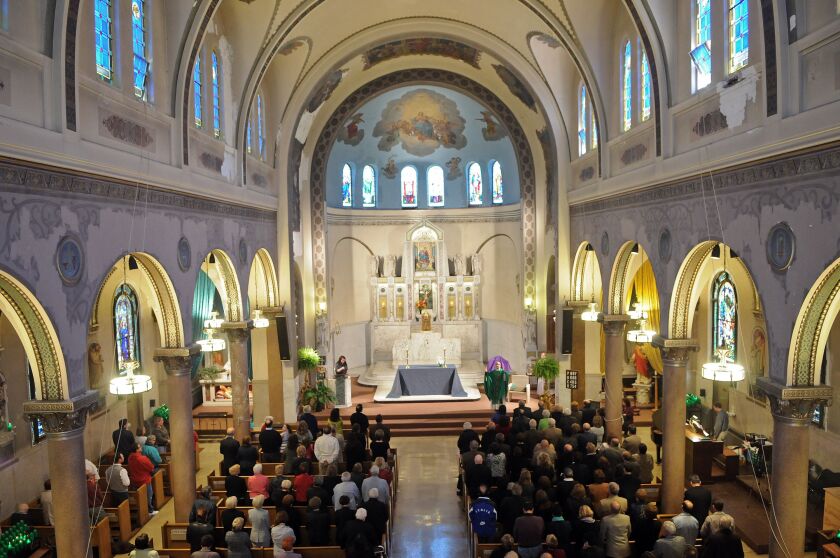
(420, 380)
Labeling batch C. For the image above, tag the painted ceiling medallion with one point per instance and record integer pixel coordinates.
(243, 251)
(69, 259)
(781, 247)
(665, 245)
(605, 243)
(184, 254)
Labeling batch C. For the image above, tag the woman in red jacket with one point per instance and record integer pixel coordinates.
(140, 469)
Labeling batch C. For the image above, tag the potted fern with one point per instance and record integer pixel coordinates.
(548, 369)
(319, 396)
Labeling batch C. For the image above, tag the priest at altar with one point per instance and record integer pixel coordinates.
(496, 380)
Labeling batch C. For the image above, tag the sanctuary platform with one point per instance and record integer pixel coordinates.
(381, 376)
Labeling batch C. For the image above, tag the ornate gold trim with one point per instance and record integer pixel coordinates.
(618, 277)
(94, 313)
(680, 311)
(262, 259)
(233, 296)
(167, 299)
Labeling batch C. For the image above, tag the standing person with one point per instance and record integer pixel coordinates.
(257, 483)
(123, 438)
(645, 462)
(310, 420)
(327, 447)
(656, 433)
(270, 442)
(116, 476)
(336, 424)
(347, 488)
(140, 471)
(229, 449)
(204, 501)
(670, 544)
(483, 516)
(281, 531)
(237, 540)
(47, 503)
(247, 456)
(724, 543)
(361, 419)
(143, 548)
(721, 423)
(160, 432)
(627, 413)
(686, 524)
(527, 531)
(715, 520)
(700, 497)
(379, 447)
(206, 550)
(615, 533)
(341, 367)
(386, 431)
(199, 528)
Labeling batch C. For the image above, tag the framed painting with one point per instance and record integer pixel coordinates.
(424, 256)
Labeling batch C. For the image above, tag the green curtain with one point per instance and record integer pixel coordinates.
(203, 298)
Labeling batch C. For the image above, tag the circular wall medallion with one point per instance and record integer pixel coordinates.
(665, 245)
(243, 251)
(605, 243)
(781, 246)
(69, 259)
(184, 254)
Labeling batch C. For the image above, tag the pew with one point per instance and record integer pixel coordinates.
(101, 538)
(160, 497)
(139, 504)
(175, 535)
(119, 519)
(306, 552)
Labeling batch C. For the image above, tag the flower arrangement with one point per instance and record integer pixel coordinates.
(546, 368)
(308, 358)
(421, 304)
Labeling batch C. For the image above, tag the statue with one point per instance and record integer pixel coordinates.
(322, 334)
(641, 364)
(497, 380)
(530, 331)
(476, 264)
(460, 269)
(95, 361)
(389, 266)
(373, 266)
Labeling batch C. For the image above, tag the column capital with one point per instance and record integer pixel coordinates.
(177, 361)
(64, 418)
(238, 331)
(579, 306)
(273, 311)
(613, 323)
(794, 404)
(675, 350)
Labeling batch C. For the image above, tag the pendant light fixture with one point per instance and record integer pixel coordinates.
(130, 383)
(260, 321)
(637, 313)
(211, 344)
(214, 321)
(590, 315)
(641, 335)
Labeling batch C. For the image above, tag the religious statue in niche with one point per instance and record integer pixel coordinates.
(389, 266)
(476, 264)
(460, 267)
(95, 361)
(424, 256)
(373, 265)
(641, 364)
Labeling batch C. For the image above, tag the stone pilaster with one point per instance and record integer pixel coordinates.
(237, 335)
(614, 362)
(178, 363)
(64, 423)
(578, 357)
(675, 354)
(792, 408)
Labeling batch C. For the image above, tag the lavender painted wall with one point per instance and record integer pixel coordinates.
(38, 207)
(802, 190)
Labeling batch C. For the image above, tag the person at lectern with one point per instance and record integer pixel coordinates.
(496, 380)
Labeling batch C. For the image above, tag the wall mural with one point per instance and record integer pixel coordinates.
(492, 130)
(517, 88)
(351, 133)
(326, 89)
(421, 121)
(453, 167)
(424, 46)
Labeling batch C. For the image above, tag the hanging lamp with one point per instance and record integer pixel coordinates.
(724, 370)
(211, 344)
(259, 320)
(591, 315)
(637, 313)
(214, 321)
(130, 383)
(641, 335)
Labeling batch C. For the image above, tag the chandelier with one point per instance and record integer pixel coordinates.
(211, 344)
(590, 315)
(214, 321)
(130, 383)
(641, 335)
(637, 313)
(259, 320)
(723, 370)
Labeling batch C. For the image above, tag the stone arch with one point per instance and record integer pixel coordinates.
(38, 337)
(229, 285)
(170, 326)
(262, 281)
(618, 279)
(585, 257)
(812, 327)
(352, 256)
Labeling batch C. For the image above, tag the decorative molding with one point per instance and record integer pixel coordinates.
(238, 332)
(613, 324)
(211, 161)
(127, 131)
(634, 154)
(618, 278)
(178, 361)
(794, 404)
(233, 298)
(710, 123)
(587, 173)
(62, 416)
(167, 299)
(373, 218)
(678, 319)
(421, 46)
(20, 177)
(675, 351)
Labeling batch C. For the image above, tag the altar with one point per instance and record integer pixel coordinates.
(426, 347)
(427, 382)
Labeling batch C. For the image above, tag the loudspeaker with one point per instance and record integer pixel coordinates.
(566, 331)
(283, 338)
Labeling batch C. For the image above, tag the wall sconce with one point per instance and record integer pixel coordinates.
(529, 304)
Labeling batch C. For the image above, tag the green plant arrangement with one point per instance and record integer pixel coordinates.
(546, 368)
(318, 396)
(209, 373)
(162, 412)
(308, 358)
(691, 400)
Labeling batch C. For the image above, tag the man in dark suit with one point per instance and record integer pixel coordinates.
(357, 532)
(318, 523)
(466, 436)
(588, 412)
(229, 449)
(310, 420)
(361, 419)
(270, 442)
(386, 431)
(343, 514)
(700, 496)
(123, 438)
(198, 528)
(524, 409)
(724, 543)
(377, 513)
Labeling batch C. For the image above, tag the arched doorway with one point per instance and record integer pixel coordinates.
(587, 340)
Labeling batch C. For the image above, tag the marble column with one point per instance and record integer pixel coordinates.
(237, 336)
(674, 361)
(613, 385)
(178, 365)
(793, 409)
(64, 424)
(578, 357)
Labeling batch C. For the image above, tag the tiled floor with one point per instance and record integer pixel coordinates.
(428, 520)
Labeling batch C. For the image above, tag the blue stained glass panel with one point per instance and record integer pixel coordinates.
(138, 39)
(260, 128)
(725, 304)
(368, 187)
(498, 185)
(645, 87)
(582, 121)
(198, 111)
(627, 88)
(217, 107)
(346, 186)
(701, 53)
(248, 144)
(739, 34)
(474, 184)
(408, 184)
(125, 326)
(436, 186)
(102, 37)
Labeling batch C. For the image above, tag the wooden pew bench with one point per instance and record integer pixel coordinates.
(306, 552)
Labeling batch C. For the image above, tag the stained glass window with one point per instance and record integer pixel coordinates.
(739, 34)
(102, 33)
(725, 321)
(435, 185)
(346, 186)
(138, 39)
(594, 131)
(248, 144)
(627, 87)
(408, 182)
(4, 15)
(368, 187)
(38, 433)
(701, 52)
(498, 185)
(198, 111)
(126, 326)
(260, 128)
(217, 103)
(474, 183)
(645, 85)
(582, 121)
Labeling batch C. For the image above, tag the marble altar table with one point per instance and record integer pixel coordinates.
(419, 380)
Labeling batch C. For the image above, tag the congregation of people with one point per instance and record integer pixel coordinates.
(549, 483)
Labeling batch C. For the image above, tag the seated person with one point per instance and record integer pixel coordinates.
(22, 513)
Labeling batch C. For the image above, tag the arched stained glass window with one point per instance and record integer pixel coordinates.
(248, 139)
(474, 184)
(102, 34)
(217, 103)
(627, 87)
(126, 326)
(408, 183)
(260, 128)
(368, 186)
(582, 121)
(198, 110)
(138, 39)
(594, 131)
(701, 51)
(436, 186)
(645, 87)
(739, 34)
(725, 319)
(498, 185)
(346, 186)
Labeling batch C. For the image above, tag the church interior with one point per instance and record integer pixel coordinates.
(536, 225)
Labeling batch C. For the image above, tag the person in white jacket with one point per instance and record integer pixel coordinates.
(327, 447)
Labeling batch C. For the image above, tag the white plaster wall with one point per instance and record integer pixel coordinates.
(504, 338)
(353, 342)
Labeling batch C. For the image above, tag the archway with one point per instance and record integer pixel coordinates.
(551, 306)
(262, 281)
(588, 340)
(586, 275)
(352, 285)
(221, 271)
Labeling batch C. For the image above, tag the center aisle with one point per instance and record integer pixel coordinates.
(428, 519)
